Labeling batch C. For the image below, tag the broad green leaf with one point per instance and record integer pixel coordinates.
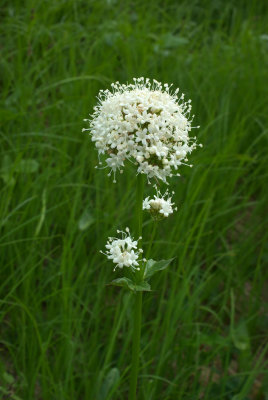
(85, 220)
(3, 390)
(143, 287)
(27, 166)
(8, 378)
(6, 163)
(240, 336)
(111, 379)
(129, 284)
(172, 41)
(8, 179)
(152, 267)
(6, 171)
(24, 166)
(15, 397)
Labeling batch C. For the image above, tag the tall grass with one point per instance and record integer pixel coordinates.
(65, 335)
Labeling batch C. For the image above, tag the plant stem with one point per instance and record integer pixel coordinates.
(137, 299)
(139, 200)
(135, 345)
(151, 239)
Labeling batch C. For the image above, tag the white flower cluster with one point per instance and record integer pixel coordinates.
(123, 252)
(160, 206)
(143, 122)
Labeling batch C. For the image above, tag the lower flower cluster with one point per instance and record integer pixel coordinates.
(124, 252)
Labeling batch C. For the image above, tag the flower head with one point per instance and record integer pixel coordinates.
(160, 206)
(143, 122)
(123, 252)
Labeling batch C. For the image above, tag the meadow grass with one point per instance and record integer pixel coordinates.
(65, 334)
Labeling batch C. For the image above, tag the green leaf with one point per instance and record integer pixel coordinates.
(241, 337)
(110, 380)
(15, 397)
(3, 390)
(6, 163)
(24, 166)
(28, 166)
(152, 267)
(85, 220)
(129, 284)
(8, 378)
(143, 287)
(8, 179)
(173, 41)
(6, 171)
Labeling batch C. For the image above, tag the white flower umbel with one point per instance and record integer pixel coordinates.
(160, 206)
(146, 123)
(124, 252)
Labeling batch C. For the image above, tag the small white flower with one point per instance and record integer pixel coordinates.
(123, 252)
(160, 206)
(143, 122)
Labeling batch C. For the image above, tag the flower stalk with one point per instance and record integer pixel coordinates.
(152, 237)
(139, 214)
(137, 298)
(135, 345)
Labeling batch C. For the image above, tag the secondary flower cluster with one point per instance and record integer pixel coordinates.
(124, 252)
(160, 206)
(143, 122)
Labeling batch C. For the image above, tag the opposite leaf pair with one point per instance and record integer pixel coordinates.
(151, 267)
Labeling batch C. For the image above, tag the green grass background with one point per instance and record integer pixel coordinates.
(65, 334)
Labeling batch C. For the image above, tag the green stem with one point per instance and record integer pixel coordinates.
(135, 345)
(151, 240)
(137, 298)
(139, 200)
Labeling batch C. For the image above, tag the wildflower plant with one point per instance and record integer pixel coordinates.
(147, 124)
